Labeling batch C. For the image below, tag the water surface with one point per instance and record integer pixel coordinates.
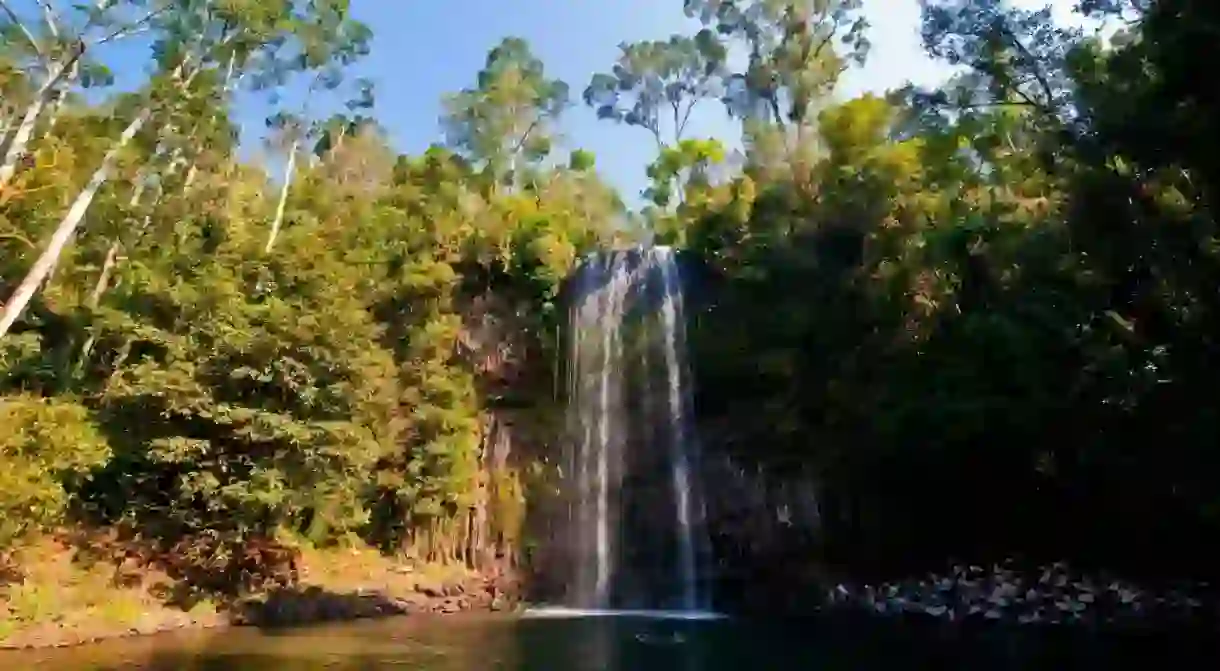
(612, 643)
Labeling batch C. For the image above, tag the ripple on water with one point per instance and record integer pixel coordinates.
(570, 613)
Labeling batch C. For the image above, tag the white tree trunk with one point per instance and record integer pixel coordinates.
(289, 170)
(226, 87)
(110, 264)
(57, 99)
(6, 125)
(25, 129)
(95, 298)
(103, 280)
(57, 72)
(67, 226)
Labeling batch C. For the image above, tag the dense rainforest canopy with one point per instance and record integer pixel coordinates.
(982, 316)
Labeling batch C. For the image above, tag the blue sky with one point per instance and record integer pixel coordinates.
(424, 49)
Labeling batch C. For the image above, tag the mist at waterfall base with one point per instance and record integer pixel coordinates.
(631, 535)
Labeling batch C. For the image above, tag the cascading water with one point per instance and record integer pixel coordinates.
(635, 538)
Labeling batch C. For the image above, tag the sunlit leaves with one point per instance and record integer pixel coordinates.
(685, 168)
(581, 160)
(48, 446)
(507, 120)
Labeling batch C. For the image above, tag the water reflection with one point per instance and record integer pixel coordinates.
(478, 643)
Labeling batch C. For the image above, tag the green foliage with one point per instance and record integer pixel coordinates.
(178, 374)
(981, 315)
(657, 84)
(506, 120)
(48, 447)
(797, 49)
(581, 160)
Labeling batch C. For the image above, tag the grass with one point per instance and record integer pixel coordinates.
(60, 592)
(57, 592)
(358, 567)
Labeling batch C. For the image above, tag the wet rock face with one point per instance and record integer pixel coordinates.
(766, 541)
(1053, 594)
(763, 533)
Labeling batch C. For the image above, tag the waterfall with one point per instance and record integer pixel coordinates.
(679, 444)
(635, 527)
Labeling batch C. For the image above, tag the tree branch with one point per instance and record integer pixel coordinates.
(524, 137)
(686, 118)
(48, 15)
(19, 238)
(25, 31)
(676, 105)
(772, 97)
(1033, 62)
(132, 28)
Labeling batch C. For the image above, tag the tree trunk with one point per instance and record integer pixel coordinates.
(103, 279)
(25, 129)
(67, 226)
(109, 265)
(137, 195)
(191, 174)
(226, 88)
(279, 208)
(56, 102)
(6, 125)
(111, 262)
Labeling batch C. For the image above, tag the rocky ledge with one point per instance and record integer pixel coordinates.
(1052, 595)
(290, 607)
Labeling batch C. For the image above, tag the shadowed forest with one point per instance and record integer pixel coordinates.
(981, 318)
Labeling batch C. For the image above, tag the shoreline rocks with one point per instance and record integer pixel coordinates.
(290, 607)
(1052, 595)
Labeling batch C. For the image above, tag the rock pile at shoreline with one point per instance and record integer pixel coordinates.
(1052, 594)
(313, 604)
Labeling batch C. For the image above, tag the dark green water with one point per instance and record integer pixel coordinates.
(480, 643)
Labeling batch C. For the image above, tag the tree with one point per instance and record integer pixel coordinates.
(797, 49)
(207, 39)
(681, 170)
(326, 40)
(42, 267)
(507, 120)
(659, 83)
(60, 63)
(1015, 56)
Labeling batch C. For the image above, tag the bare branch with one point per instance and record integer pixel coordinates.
(1037, 73)
(690, 107)
(19, 238)
(520, 144)
(132, 28)
(48, 15)
(25, 31)
(677, 106)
